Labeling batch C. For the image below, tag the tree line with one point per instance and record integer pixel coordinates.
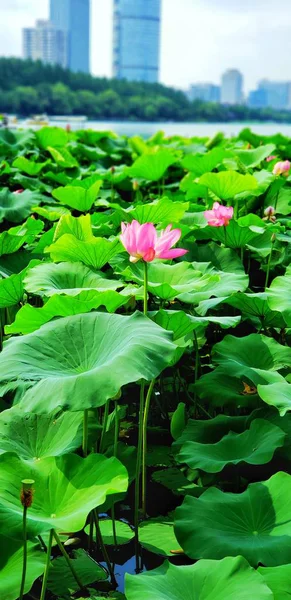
(30, 87)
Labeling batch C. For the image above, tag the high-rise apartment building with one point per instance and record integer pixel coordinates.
(73, 17)
(232, 87)
(208, 92)
(274, 94)
(136, 39)
(46, 43)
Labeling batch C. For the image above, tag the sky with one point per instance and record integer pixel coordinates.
(199, 39)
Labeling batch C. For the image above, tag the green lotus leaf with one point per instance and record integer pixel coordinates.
(252, 158)
(254, 446)
(78, 197)
(29, 318)
(279, 295)
(277, 395)
(33, 437)
(157, 536)
(169, 281)
(81, 361)
(248, 356)
(14, 238)
(51, 213)
(62, 157)
(210, 431)
(12, 141)
(227, 184)
(204, 163)
(94, 253)
(152, 165)
(79, 227)
(124, 533)
(236, 234)
(256, 305)
(11, 288)
(278, 579)
(51, 136)
(181, 324)
(163, 210)
(69, 278)
(227, 579)
(61, 580)
(29, 167)
(178, 420)
(17, 207)
(173, 479)
(11, 559)
(66, 489)
(256, 523)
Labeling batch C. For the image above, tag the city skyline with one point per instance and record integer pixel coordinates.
(253, 39)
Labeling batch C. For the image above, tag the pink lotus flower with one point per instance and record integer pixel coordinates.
(219, 215)
(282, 168)
(18, 191)
(144, 242)
(271, 157)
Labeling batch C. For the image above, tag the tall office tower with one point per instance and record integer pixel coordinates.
(73, 17)
(232, 87)
(208, 92)
(46, 43)
(136, 39)
(277, 94)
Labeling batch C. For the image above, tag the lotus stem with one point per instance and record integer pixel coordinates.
(26, 498)
(137, 473)
(85, 434)
(68, 560)
(99, 539)
(116, 433)
(104, 426)
(144, 446)
(269, 263)
(236, 209)
(47, 566)
(24, 564)
(145, 297)
(91, 530)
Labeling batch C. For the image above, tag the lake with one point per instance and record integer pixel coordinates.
(130, 128)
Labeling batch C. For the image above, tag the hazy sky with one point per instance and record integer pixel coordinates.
(200, 38)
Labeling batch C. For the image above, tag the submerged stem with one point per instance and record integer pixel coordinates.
(102, 545)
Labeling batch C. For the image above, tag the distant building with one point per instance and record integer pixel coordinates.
(232, 87)
(136, 39)
(208, 92)
(273, 94)
(46, 43)
(73, 17)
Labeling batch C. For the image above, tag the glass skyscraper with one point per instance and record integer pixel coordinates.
(136, 39)
(46, 43)
(73, 17)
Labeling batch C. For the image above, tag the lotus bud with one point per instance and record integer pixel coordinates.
(18, 191)
(282, 168)
(26, 496)
(270, 158)
(135, 185)
(112, 170)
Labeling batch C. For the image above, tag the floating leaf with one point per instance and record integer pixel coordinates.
(61, 581)
(124, 533)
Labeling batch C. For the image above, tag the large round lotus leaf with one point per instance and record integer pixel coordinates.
(210, 430)
(242, 355)
(33, 436)
(279, 294)
(237, 234)
(79, 362)
(278, 579)
(124, 533)
(66, 278)
(66, 489)
(256, 523)
(157, 535)
(228, 579)
(11, 559)
(254, 446)
(278, 395)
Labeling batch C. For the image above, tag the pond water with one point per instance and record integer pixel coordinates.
(184, 129)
